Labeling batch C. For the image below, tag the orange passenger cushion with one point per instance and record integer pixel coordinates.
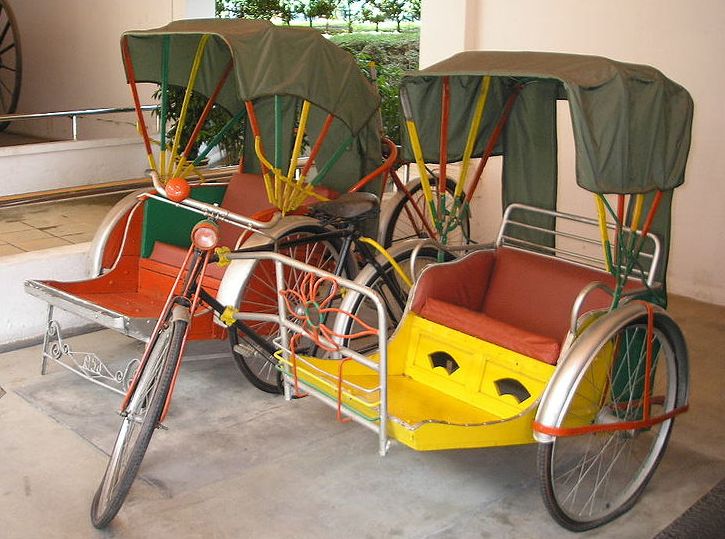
(519, 300)
(245, 195)
(462, 282)
(535, 292)
(491, 330)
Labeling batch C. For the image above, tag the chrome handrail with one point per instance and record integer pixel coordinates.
(210, 210)
(72, 114)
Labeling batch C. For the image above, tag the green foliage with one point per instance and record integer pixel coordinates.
(400, 10)
(313, 9)
(371, 12)
(393, 54)
(249, 9)
(231, 144)
(350, 11)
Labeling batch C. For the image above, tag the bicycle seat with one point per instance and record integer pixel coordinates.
(347, 206)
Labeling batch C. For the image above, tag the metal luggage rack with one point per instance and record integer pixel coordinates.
(576, 239)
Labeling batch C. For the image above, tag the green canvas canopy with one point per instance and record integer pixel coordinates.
(267, 60)
(631, 123)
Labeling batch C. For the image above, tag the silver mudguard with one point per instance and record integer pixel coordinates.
(387, 207)
(103, 233)
(563, 383)
(367, 273)
(238, 272)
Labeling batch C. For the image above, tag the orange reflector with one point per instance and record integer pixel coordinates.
(177, 189)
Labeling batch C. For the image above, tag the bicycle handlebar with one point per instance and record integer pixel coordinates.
(212, 211)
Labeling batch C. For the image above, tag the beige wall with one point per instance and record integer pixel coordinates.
(685, 40)
(71, 53)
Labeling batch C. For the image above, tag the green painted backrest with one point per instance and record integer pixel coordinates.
(172, 224)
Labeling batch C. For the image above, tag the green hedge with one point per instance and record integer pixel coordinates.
(393, 54)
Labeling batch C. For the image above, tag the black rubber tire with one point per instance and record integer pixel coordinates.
(127, 455)
(363, 309)
(609, 497)
(256, 365)
(401, 228)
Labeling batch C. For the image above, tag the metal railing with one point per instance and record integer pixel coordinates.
(73, 115)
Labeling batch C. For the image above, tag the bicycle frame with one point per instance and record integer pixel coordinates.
(192, 271)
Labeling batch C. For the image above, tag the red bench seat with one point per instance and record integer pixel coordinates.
(519, 300)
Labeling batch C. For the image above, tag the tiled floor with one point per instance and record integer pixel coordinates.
(52, 224)
(49, 224)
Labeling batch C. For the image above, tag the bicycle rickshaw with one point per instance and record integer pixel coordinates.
(294, 92)
(310, 131)
(528, 351)
(557, 333)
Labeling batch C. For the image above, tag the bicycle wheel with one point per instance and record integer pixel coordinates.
(260, 296)
(141, 417)
(10, 62)
(406, 224)
(392, 289)
(589, 479)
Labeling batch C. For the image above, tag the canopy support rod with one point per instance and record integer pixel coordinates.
(473, 132)
(277, 149)
(618, 230)
(503, 119)
(187, 98)
(324, 171)
(131, 77)
(651, 214)
(165, 51)
(604, 233)
(418, 154)
(316, 147)
(299, 186)
(259, 150)
(443, 152)
(213, 142)
(202, 118)
(288, 195)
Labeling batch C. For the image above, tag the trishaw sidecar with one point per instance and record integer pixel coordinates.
(558, 332)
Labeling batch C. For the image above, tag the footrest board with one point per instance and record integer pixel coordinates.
(137, 327)
(127, 304)
(428, 411)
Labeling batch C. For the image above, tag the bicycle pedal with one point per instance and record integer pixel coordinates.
(161, 426)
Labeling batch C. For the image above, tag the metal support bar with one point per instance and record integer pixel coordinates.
(73, 115)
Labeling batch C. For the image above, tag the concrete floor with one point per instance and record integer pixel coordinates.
(239, 463)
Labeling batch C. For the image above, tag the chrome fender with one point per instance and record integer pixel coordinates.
(561, 387)
(388, 205)
(367, 273)
(103, 233)
(238, 272)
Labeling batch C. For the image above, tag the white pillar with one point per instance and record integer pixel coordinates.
(446, 27)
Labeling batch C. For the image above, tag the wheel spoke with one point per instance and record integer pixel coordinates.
(254, 362)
